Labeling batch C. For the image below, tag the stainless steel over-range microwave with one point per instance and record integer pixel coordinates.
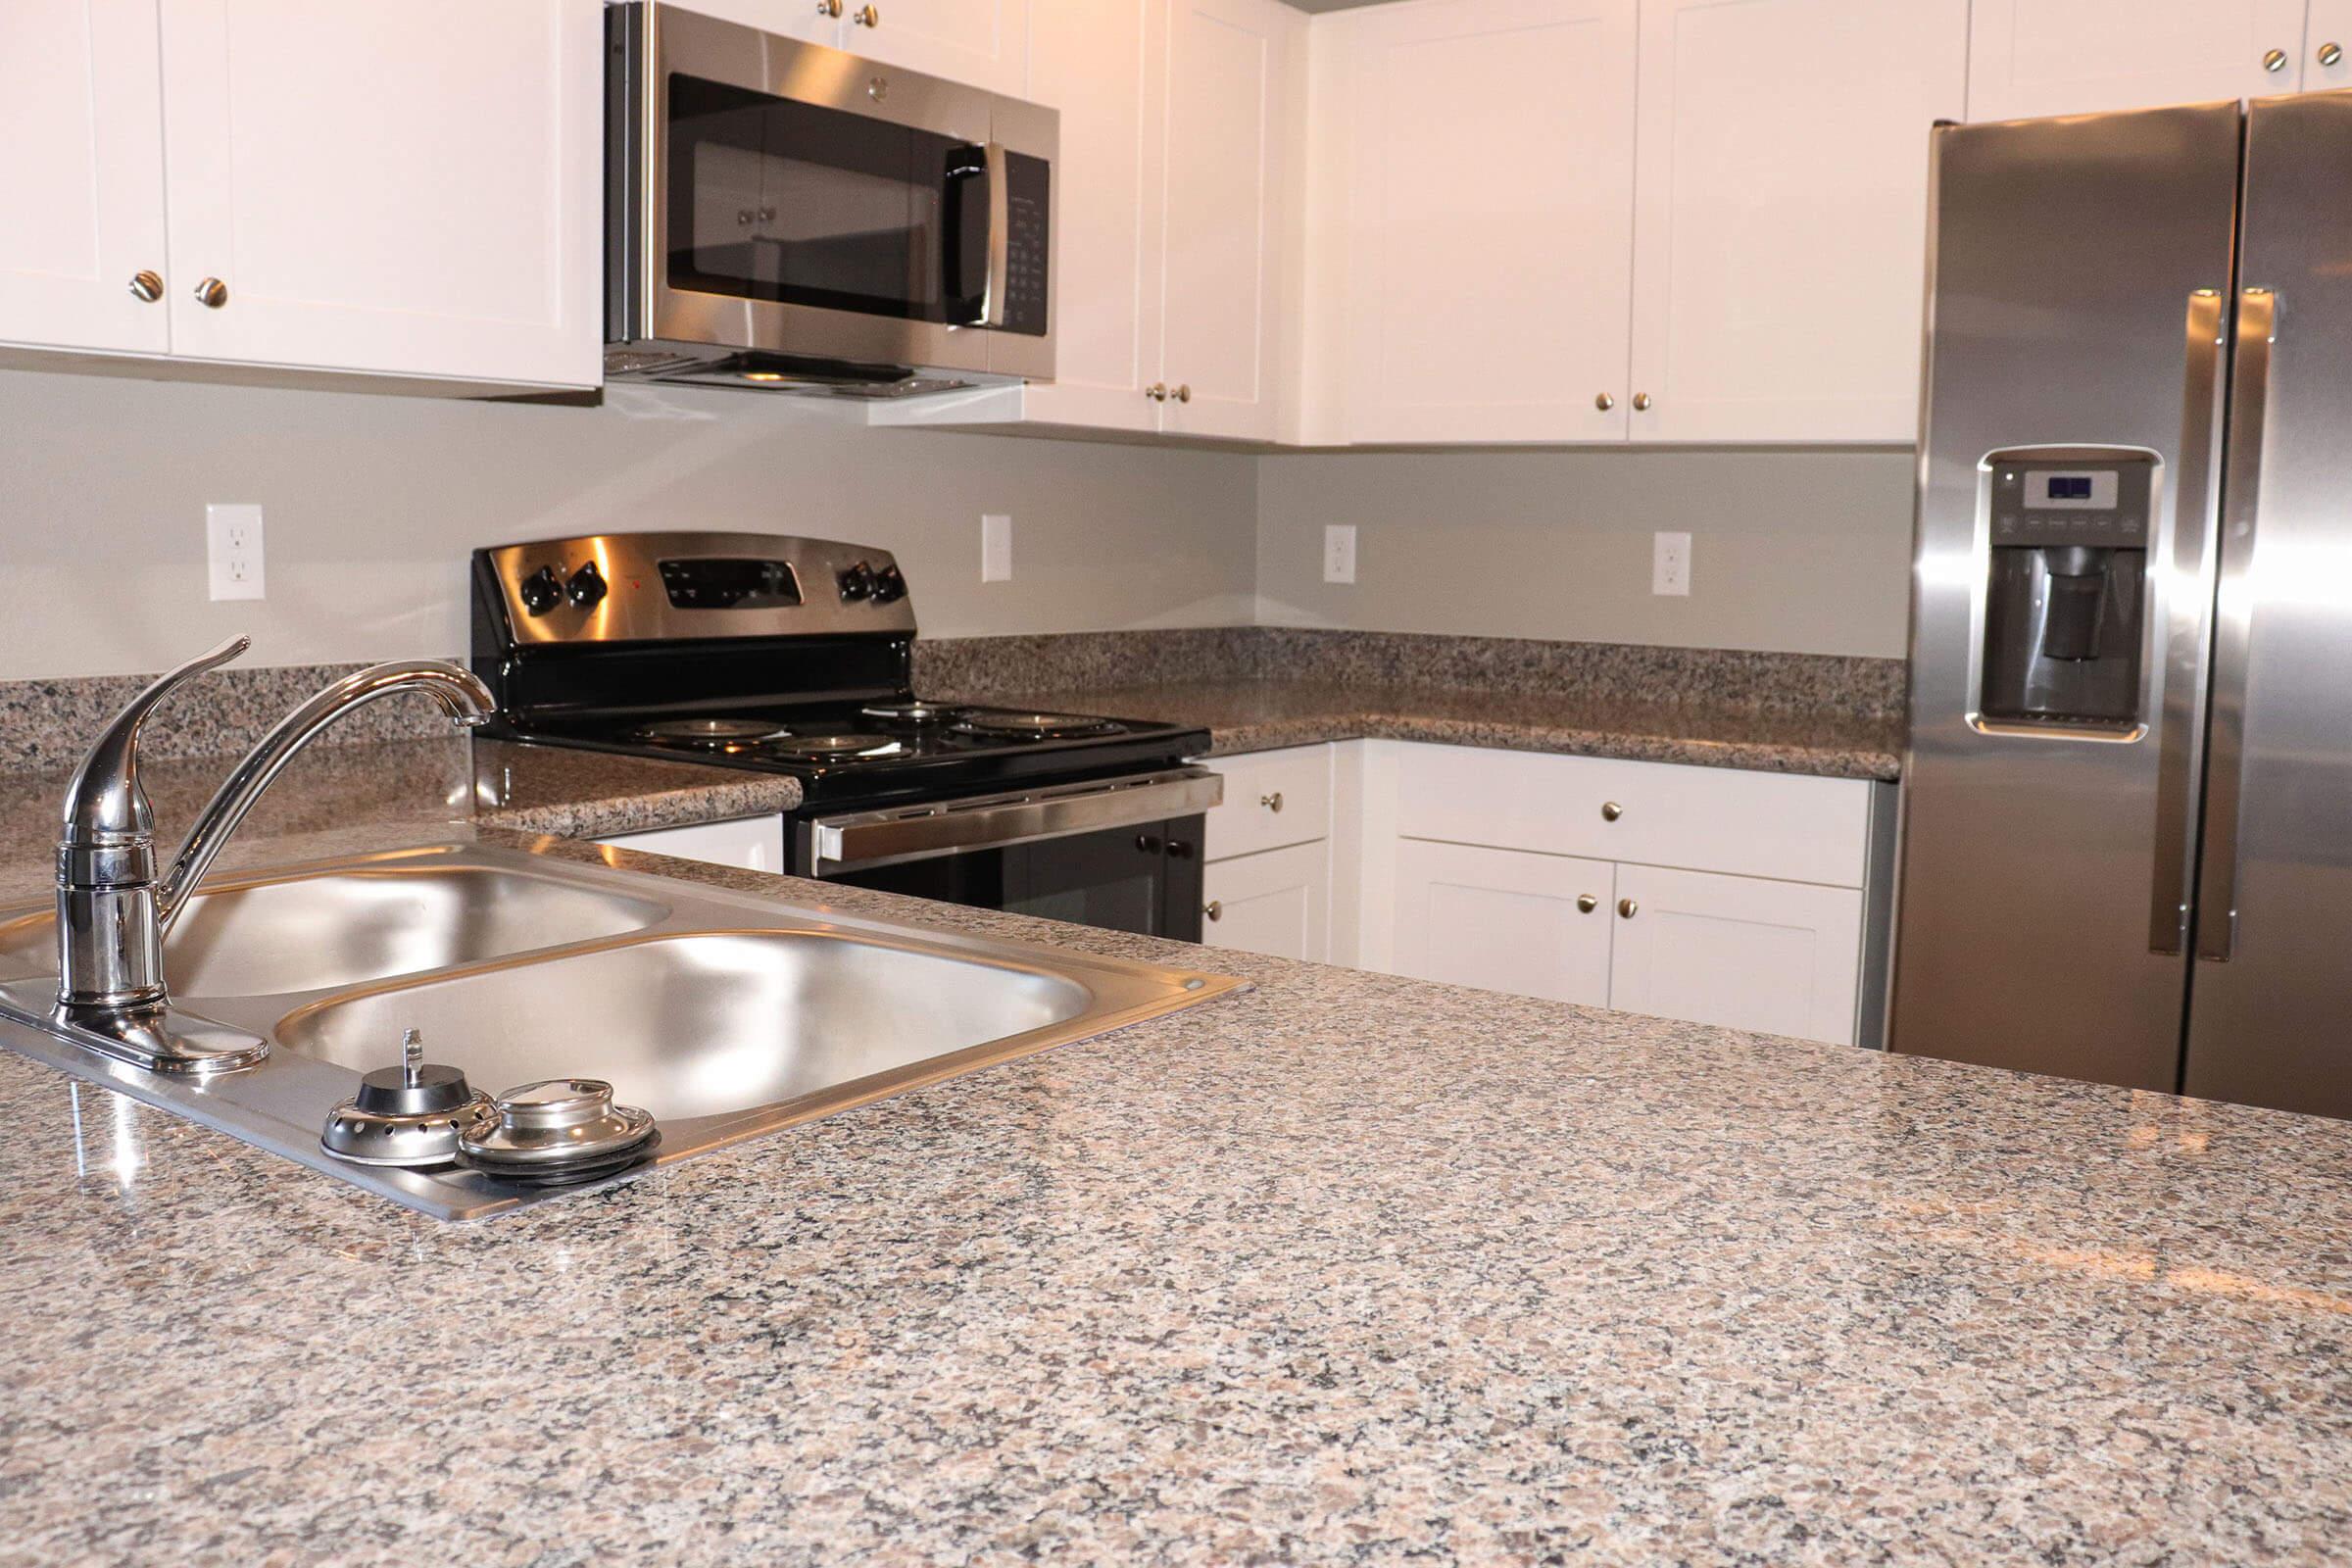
(784, 215)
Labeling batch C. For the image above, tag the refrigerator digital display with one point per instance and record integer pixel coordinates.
(2091, 489)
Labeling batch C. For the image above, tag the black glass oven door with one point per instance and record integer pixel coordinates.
(1144, 879)
(800, 203)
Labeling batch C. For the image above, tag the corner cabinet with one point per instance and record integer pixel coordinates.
(198, 181)
(1179, 134)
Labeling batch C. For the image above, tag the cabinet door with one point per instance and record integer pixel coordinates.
(1503, 920)
(2327, 46)
(409, 189)
(1489, 230)
(790, 18)
(82, 180)
(983, 42)
(2074, 57)
(1277, 903)
(1221, 185)
(1097, 60)
(748, 844)
(1781, 957)
(1780, 215)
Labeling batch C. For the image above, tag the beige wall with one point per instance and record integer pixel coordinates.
(1793, 551)
(372, 502)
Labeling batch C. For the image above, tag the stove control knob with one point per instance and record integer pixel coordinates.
(585, 588)
(890, 586)
(857, 582)
(540, 591)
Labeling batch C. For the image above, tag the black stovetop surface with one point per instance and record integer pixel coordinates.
(846, 755)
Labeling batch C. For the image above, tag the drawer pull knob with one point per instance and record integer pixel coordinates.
(1626, 908)
(1585, 904)
(1215, 908)
(1272, 802)
(1610, 811)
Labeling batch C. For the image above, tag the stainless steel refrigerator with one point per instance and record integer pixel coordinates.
(2128, 798)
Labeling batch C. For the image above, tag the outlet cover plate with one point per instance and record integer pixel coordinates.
(1670, 565)
(233, 548)
(1339, 552)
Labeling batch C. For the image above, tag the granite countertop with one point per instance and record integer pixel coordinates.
(1258, 715)
(402, 783)
(1347, 1267)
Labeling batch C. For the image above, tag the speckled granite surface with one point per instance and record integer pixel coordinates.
(1347, 1269)
(47, 723)
(404, 784)
(1620, 674)
(1254, 716)
(1259, 688)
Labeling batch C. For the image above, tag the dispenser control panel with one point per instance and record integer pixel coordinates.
(2100, 504)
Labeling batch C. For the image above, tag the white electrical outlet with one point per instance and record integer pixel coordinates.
(232, 544)
(1339, 552)
(1670, 563)
(996, 546)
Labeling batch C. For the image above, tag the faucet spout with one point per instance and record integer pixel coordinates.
(460, 694)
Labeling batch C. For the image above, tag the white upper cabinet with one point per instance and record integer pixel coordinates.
(809, 20)
(1098, 63)
(82, 182)
(439, 216)
(983, 42)
(2070, 57)
(1489, 215)
(1223, 181)
(1780, 215)
(2327, 46)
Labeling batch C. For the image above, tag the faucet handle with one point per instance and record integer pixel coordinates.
(104, 801)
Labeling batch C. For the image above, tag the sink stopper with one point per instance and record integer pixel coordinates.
(412, 1114)
(556, 1132)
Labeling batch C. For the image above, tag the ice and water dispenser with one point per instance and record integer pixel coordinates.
(2066, 588)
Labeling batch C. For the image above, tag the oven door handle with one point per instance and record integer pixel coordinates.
(859, 840)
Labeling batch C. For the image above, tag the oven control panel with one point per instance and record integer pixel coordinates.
(639, 587)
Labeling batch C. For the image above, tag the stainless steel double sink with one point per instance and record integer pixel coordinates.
(724, 1014)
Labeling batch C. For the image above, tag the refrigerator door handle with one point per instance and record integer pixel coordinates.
(2205, 408)
(2233, 621)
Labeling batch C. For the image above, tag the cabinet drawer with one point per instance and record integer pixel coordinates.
(1271, 799)
(1780, 825)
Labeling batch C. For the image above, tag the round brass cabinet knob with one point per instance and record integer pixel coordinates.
(866, 17)
(1272, 802)
(1215, 908)
(1585, 904)
(211, 293)
(148, 287)
(2274, 62)
(1610, 811)
(1158, 392)
(1603, 401)
(1641, 403)
(828, 8)
(1626, 908)
(2330, 53)
(1184, 392)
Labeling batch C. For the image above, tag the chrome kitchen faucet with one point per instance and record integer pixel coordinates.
(112, 908)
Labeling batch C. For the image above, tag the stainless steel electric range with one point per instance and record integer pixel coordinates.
(794, 655)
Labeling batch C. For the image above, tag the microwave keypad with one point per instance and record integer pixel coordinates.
(1028, 205)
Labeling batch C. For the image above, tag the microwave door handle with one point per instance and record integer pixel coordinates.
(1000, 237)
(968, 164)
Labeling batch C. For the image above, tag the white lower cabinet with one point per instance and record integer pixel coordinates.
(1276, 901)
(748, 844)
(1739, 951)
(1503, 920)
